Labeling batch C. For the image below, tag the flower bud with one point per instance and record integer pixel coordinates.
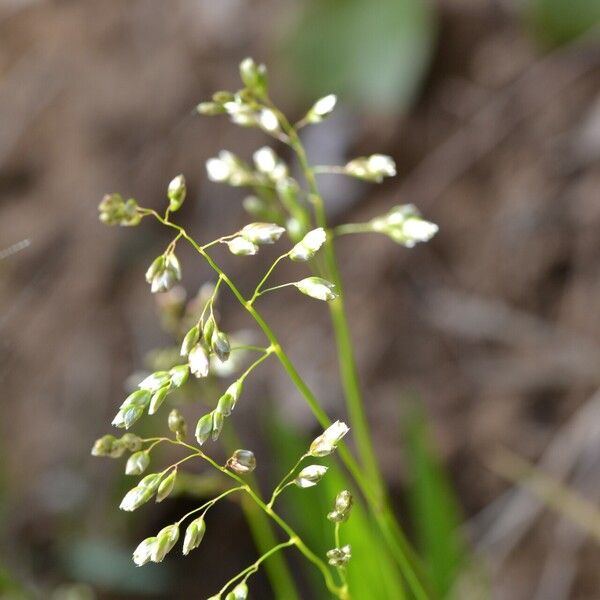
(198, 361)
(229, 399)
(204, 428)
(217, 424)
(227, 167)
(221, 97)
(239, 592)
(165, 540)
(137, 463)
(156, 268)
(172, 264)
(138, 398)
(262, 233)
(177, 423)
(265, 160)
(157, 400)
(218, 169)
(254, 77)
(309, 245)
(242, 247)
(190, 340)
(342, 508)
(114, 210)
(143, 553)
(163, 282)
(179, 375)
(339, 557)
(151, 481)
(126, 417)
(176, 192)
(241, 114)
(132, 442)
(210, 109)
(220, 345)
(208, 328)
(165, 276)
(327, 442)
(321, 109)
(193, 535)
(166, 486)
(132, 408)
(242, 461)
(371, 168)
(267, 120)
(405, 226)
(318, 288)
(155, 381)
(135, 497)
(310, 476)
(105, 445)
(268, 163)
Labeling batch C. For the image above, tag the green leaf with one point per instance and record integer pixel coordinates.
(434, 508)
(560, 21)
(373, 56)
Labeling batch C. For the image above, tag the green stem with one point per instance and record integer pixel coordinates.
(341, 570)
(210, 503)
(257, 291)
(329, 169)
(255, 364)
(279, 488)
(353, 228)
(387, 523)
(250, 348)
(256, 565)
(377, 496)
(347, 364)
(271, 289)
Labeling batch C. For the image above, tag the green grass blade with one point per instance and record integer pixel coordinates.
(433, 505)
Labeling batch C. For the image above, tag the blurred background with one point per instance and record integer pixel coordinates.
(485, 342)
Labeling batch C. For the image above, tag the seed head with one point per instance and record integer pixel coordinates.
(327, 442)
(177, 424)
(310, 476)
(404, 225)
(371, 168)
(242, 462)
(176, 192)
(254, 77)
(318, 288)
(166, 486)
(143, 553)
(342, 508)
(321, 108)
(339, 557)
(137, 463)
(198, 360)
(114, 210)
(165, 540)
(262, 233)
(193, 535)
(204, 428)
(240, 246)
(309, 245)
